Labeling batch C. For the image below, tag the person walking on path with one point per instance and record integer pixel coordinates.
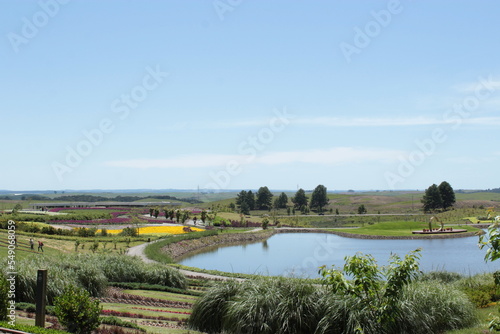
(40, 246)
(32, 244)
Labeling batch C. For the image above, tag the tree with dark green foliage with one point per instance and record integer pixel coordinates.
(361, 209)
(244, 208)
(245, 201)
(241, 197)
(77, 311)
(185, 214)
(300, 199)
(447, 195)
(319, 198)
(251, 200)
(282, 201)
(204, 215)
(432, 199)
(264, 199)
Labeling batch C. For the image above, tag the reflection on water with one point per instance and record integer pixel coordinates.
(300, 254)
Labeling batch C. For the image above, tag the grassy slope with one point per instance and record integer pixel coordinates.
(23, 249)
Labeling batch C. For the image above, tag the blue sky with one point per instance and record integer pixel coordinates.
(228, 94)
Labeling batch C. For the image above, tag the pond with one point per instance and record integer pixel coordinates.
(300, 254)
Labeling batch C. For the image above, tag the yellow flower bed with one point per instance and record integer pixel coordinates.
(158, 230)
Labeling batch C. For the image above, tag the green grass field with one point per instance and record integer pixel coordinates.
(399, 228)
(23, 249)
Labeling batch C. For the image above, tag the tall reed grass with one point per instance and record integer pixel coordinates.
(91, 272)
(293, 306)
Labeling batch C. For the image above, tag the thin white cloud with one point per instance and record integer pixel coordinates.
(482, 83)
(482, 121)
(330, 156)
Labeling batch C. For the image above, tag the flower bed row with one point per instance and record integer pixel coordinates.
(159, 230)
(158, 310)
(138, 315)
(92, 222)
(87, 208)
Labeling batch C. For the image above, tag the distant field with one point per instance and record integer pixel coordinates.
(481, 196)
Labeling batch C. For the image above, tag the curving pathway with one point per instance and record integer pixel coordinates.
(139, 251)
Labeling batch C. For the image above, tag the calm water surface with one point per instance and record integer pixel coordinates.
(301, 254)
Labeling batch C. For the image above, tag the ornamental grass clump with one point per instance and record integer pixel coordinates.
(91, 272)
(432, 307)
(119, 268)
(58, 278)
(209, 312)
(275, 305)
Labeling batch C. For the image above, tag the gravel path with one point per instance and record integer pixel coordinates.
(139, 251)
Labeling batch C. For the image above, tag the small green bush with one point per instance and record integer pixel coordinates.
(114, 321)
(77, 311)
(480, 289)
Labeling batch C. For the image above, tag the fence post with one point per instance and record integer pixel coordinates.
(41, 293)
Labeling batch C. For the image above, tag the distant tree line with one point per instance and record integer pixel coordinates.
(94, 198)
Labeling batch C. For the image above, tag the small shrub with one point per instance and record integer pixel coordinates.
(128, 232)
(480, 289)
(114, 321)
(77, 311)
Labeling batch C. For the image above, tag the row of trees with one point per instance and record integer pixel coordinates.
(263, 200)
(440, 197)
(436, 197)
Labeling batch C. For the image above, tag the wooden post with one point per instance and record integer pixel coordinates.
(41, 294)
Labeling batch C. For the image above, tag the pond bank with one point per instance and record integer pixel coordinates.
(179, 249)
(376, 237)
